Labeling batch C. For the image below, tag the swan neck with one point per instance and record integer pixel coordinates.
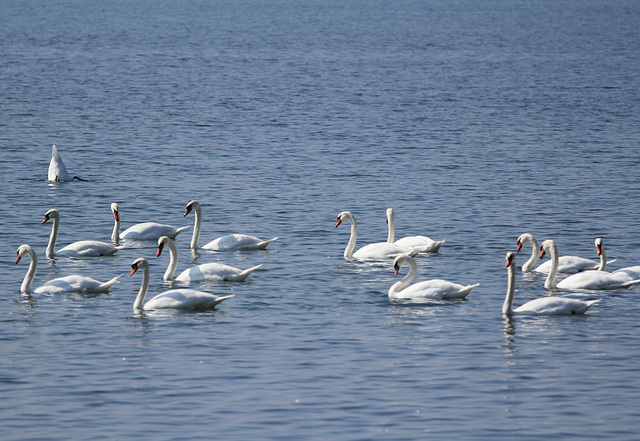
(173, 261)
(406, 280)
(603, 260)
(392, 233)
(511, 289)
(53, 238)
(348, 251)
(535, 255)
(31, 272)
(551, 277)
(115, 235)
(139, 303)
(197, 211)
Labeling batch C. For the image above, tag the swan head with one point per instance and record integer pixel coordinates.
(399, 261)
(137, 264)
(193, 205)
(511, 259)
(161, 242)
(114, 210)
(523, 240)
(547, 245)
(598, 243)
(22, 250)
(344, 216)
(389, 214)
(51, 214)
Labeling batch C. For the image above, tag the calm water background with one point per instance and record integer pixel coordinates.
(475, 121)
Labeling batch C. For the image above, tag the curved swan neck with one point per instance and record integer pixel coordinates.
(173, 260)
(603, 258)
(197, 211)
(115, 235)
(53, 238)
(535, 252)
(399, 286)
(549, 246)
(348, 251)
(31, 272)
(391, 235)
(511, 288)
(139, 303)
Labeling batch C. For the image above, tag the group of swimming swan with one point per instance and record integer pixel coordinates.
(174, 298)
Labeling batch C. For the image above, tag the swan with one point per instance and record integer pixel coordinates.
(423, 243)
(633, 271)
(591, 279)
(83, 248)
(57, 170)
(206, 271)
(229, 242)
(566, 264)
(433, 289)
(73, 283)
(174, 298)
(373, 251)
(145, 230)
(553, 305)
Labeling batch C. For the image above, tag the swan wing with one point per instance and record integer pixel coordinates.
(151, 231)
(436, 289)
(554, 306)
(74, 283)
(88, 248)
(185, 299)
(424, 243)
(381, 251)
(569, 265)
(215, 271)
(232, 242)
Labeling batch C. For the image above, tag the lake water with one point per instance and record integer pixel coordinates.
(475, 121)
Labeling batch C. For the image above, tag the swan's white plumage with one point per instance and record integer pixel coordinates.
(552, 305)
(432, 289)
(57, 170)
(422, 243)
(230, 242)
(174, 298)
(199, 273)
(144, 230)
(372, 251)
(83, 248)
(72, 283)
(585, 280)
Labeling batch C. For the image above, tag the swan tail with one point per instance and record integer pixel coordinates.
(180, 230)
(415, 252)
(106, 285)
(609, 262)
(263, 245)
(467, 289)
(223, 298)
(244, 274)
(631, 283)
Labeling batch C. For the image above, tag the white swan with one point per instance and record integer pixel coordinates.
(83, 248)
(145, 230)
(373, 251)
(566, 264)
(230, 242)
(585, 280)
(57, 170)
(423, 243)
(553, 305)
(433, 289)
(632, 271)
(174, 298)
(206, 271)
(73, 283)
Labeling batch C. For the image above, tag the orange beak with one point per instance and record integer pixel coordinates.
(160, 248)
(519, 247)
(115, 214)
(18, 259)
(188, 210)
(135, 268)
(338, 223)
(46, 218)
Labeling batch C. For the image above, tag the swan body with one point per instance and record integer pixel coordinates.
(57, 170)
(143, 231)
(585, 280)
(174, 298)
(566, 264)
(632, 271)
(373, 251)
(72, 283)
(206, 271)
(432, 289)
(553, 305)
(83, 248)
(423, 243)
(230, 242)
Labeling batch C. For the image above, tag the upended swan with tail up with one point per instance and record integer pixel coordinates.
(57, 170)
(230, 242)
(423, 243)
(586, 280)
(199, 273)
(566, 264)
(143, 231)
(373, 251)
(83, 248)
(174, 298)
(72, 283)
(552, 305)
(432, 289)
